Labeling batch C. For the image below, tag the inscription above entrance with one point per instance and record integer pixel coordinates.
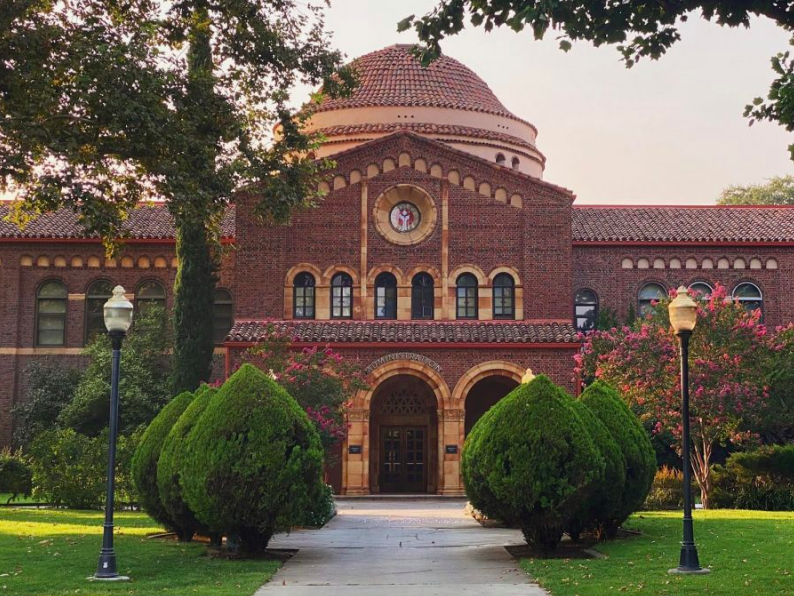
(403, 356)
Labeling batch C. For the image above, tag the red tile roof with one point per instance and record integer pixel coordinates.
(407, 332)
(589, 223)
(147, 222)
(394, 77)
(682, 224)
(426, 128)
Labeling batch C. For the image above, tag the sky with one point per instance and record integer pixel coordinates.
(664, 132)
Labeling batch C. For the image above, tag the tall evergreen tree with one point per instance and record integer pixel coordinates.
(104, 104)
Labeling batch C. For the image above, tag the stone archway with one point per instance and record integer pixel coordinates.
(403, 437)
(482, 386)
(359, 462)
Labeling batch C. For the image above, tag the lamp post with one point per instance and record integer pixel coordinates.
(683, 316)
(118, 318)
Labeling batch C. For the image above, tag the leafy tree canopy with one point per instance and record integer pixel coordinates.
(105, 104)
(777, 191)
(639, 29)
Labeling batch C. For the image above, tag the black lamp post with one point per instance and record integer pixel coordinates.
(683, 316)
(118, 318)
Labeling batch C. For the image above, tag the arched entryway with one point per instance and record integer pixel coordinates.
(403, 437)
(483, 396)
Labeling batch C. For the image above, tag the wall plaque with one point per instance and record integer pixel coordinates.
(354, 449)
(452, 449)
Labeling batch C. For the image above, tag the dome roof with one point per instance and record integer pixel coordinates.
(393, 76)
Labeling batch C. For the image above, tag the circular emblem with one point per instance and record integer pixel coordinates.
(404, 217)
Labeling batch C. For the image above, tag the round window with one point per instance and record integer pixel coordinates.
(405, 217)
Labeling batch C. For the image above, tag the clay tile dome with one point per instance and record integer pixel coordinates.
(446, 101)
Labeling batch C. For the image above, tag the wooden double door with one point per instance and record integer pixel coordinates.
(403, 459)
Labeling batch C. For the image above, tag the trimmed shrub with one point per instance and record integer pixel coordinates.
(602, 509)
(530, 461)
(760, 479)
(667, 491)
(71, 469)
(144, 464)
(172, 456)
(253, 461)
(323, 511)
(632, 440)
(15, 475)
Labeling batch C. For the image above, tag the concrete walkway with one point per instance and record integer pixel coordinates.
(400, 548)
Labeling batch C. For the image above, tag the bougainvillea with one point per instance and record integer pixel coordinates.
(319, 378)
(729, 358)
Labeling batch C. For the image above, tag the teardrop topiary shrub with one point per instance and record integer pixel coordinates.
(633, 441)
(531, 461)
(144, 462)
(171, 460)
(602, 509)
(253, 461)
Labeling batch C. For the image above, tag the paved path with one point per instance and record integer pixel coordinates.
(400, 548)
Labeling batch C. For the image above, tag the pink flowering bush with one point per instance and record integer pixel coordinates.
(320, 379)
(729, 358)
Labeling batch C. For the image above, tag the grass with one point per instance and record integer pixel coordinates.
(50, 553)
(750, 552)
(20, 500)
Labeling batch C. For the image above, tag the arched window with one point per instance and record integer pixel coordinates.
(98, 293)
(504, 297)
(650, 293)
(51, 305)
(385, 296)
(749, 296)
(422, 301)
(222, 314)
(342, 296)
(516, 163)
(150, 294)
(500, 159)
(466, 297)
(700, 290)
(585, 310)
(303, 296)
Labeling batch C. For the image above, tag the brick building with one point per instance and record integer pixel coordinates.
(439, 258)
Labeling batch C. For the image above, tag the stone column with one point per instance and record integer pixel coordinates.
(451, 433)
(355, 466)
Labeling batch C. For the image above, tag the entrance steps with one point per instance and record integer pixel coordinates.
(399, 497)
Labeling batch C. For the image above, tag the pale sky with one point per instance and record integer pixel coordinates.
(664, 132)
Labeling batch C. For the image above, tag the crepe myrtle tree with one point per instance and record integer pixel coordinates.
(105, 104)
(729, 353)
(638, 28)
(319, 378)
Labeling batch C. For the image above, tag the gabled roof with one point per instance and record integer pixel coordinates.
(406, 332)
(393, 76)
(147, 222)
(695, 224)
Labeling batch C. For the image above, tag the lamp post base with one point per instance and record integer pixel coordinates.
(689, 571)
(113, 578)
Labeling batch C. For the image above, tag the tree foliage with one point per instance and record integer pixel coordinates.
(106, 104)
(729, 355)
(143, 385)
(638, 28)
(776, 191)
(50, 389)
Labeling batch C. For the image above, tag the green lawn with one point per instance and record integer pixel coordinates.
(47, 552)
(750, 552)
(20, 500)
